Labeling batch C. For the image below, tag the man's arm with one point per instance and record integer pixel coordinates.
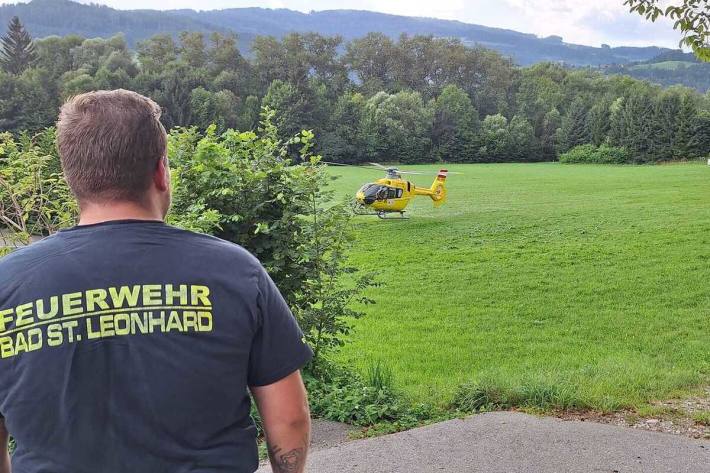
(4, 454)
(284, 411)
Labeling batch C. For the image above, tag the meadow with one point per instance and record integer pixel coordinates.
(588, 282)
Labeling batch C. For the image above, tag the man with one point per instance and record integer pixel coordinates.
(127, 345)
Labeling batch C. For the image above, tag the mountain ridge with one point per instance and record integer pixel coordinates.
(61, 17)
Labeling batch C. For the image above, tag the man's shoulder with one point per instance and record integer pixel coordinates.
(28, 252)
(214, 245)
(57, 245)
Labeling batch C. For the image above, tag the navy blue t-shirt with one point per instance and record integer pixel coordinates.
(128, 346)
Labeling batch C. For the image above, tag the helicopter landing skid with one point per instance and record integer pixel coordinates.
(362, 210)
(391, 215)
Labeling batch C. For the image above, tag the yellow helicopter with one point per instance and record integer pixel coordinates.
(391, 194)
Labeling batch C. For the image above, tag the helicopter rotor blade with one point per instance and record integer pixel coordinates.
(357, 166)
(378, 165)
(428, 173)
(330, 163)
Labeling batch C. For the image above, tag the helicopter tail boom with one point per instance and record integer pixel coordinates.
(437, 191)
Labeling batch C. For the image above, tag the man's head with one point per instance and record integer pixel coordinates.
(113, 149)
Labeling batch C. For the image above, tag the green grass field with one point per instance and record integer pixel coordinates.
(666, 65)
(589, 282)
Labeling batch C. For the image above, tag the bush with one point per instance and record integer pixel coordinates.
(590, 154)
(612, 155)
(245, 188)
(34, 198)
(341, 395)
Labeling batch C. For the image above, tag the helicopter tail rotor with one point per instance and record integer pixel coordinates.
(438, 188)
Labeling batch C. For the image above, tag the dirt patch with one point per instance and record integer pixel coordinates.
(689, 417)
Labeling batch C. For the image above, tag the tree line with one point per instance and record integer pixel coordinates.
(414, 100)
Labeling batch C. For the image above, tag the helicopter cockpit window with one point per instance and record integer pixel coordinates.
(367, 187)
(374, 192)
(378, 192)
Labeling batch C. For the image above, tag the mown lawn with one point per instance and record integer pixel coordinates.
(588, 282)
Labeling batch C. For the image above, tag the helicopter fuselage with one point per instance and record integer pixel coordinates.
(393, 194)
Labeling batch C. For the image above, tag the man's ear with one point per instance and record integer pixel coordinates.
(161, 178)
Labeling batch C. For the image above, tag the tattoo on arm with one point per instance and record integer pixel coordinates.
(287, 462)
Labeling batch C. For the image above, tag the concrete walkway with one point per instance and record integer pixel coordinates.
(509, 442)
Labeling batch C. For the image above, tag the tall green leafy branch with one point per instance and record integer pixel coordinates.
(34, 197)
(691, 17)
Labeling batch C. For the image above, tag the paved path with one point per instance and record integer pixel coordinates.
(509, 442)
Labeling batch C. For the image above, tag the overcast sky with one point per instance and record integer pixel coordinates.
(591, 22)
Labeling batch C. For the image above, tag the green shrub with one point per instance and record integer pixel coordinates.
(590, 154)
(245, 188)
(612, 155)
(341, 395)
(34, 198)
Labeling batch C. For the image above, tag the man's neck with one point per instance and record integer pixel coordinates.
(92, 213)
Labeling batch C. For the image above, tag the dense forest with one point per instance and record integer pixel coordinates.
(417, 99)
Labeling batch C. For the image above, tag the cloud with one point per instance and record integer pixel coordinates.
(588, 22)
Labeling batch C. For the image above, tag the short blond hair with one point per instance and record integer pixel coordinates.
(110, 143)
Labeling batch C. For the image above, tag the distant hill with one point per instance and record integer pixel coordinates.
(62, 17)
(669, 68)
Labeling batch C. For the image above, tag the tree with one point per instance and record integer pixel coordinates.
(575, 126)
(18, 50)
(456, 126)
(665, 124)
(26, 102)
(598, 119)
(54, 55)
(291, 110)
(174, 93)
(155, 53)
(494, 139)
(248, 113)
(700, 141)
(192, 49)
(343, 141)
(522, 144)
(399, 127)
(685, 131)
(636, 121)
(692, 18)
(213, 108)
(372, 59)
(548, 136)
